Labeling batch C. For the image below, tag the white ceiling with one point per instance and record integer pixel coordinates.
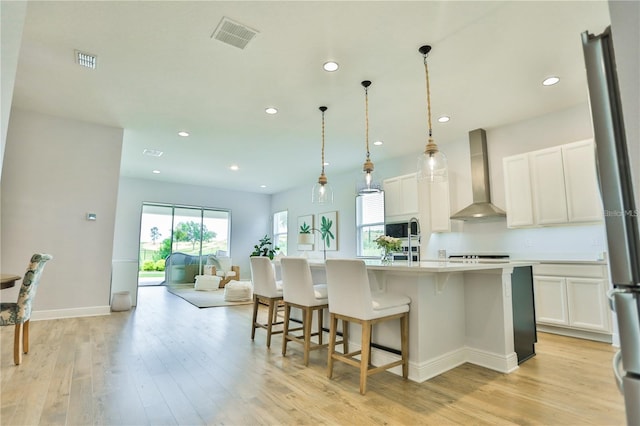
(159, 72)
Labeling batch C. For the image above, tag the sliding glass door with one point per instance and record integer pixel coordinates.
(175, 241)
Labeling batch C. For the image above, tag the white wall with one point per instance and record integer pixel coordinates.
(56, 171)
(250, 221)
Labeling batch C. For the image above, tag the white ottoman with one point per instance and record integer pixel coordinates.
(238, 291)
(207, 282)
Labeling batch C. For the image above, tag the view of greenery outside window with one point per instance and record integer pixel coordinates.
(369, 223)
(280, 231)
(194, 231)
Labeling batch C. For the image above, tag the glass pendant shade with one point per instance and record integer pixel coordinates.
(433, 167)
(322, 192)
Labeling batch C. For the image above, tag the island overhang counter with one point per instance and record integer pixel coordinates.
(460, 312)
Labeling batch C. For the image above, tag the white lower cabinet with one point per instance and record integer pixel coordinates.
(550, 300)
(587, 304)
(572, 299)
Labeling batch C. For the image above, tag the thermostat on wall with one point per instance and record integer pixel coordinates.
(91, 216)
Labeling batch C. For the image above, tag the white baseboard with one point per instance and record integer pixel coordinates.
(420, 372)
(493, 361)
(580, 334)
(91, 311)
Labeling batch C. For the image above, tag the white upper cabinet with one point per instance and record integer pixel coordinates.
(517, 186)
(547, 184)
(400, 198)
(435, 208)
(552, 186)
(405, 197)
(581, 182)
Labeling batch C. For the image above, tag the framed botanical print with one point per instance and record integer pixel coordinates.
(328, 227)
(305, 226)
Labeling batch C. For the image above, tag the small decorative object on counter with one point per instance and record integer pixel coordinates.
(388, 245)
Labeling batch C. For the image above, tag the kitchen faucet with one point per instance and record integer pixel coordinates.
(410, 254)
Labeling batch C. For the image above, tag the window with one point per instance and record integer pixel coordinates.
(280, 231)
(369, 223)
(189, 231)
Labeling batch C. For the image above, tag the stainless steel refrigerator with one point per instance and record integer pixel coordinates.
(615, 172)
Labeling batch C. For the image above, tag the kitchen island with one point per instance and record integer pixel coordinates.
(461, 311)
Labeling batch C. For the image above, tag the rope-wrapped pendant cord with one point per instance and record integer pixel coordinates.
(366, 118)
(426, 73)
(322, 142)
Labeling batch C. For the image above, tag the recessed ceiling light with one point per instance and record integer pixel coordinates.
(234, 167)
(152, 152)
(86, 59)
(156, 172)
(183, 134)
(271, 110)
(550, 81)
(330, 66)
(444, 119)
(263, 186)
(326, 163)
(378, 143)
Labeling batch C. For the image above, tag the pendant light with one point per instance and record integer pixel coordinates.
(368, 186)
(432, 164)
(322, 192)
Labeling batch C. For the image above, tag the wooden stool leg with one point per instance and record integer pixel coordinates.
(365, 355)
(345, 336)
(25, 337)
(270, 321)
(285, 329)
(17, 345)
(333, 325)
(255, 316)
(404, 336)
(307, 320)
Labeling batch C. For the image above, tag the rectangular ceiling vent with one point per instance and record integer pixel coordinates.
(152, 152)
(86, 59)
(233, 33)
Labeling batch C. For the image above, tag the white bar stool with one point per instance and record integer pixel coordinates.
(299, 292)
(265, 290)
(351, 299)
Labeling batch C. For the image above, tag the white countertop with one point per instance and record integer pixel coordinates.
(439, 266)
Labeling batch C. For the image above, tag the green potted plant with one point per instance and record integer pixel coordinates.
(263, 248)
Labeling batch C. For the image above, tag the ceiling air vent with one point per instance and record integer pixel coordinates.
(152, 152)
(233, 33)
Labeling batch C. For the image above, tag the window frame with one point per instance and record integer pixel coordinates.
(361, 225)
(275, 235)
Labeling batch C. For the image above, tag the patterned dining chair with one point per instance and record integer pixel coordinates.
(19, 313)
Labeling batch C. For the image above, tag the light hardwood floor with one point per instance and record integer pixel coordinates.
(168, 362)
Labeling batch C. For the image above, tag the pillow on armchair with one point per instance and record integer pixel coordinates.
(227, 271)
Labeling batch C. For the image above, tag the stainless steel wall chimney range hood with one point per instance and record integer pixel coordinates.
(481, 209)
